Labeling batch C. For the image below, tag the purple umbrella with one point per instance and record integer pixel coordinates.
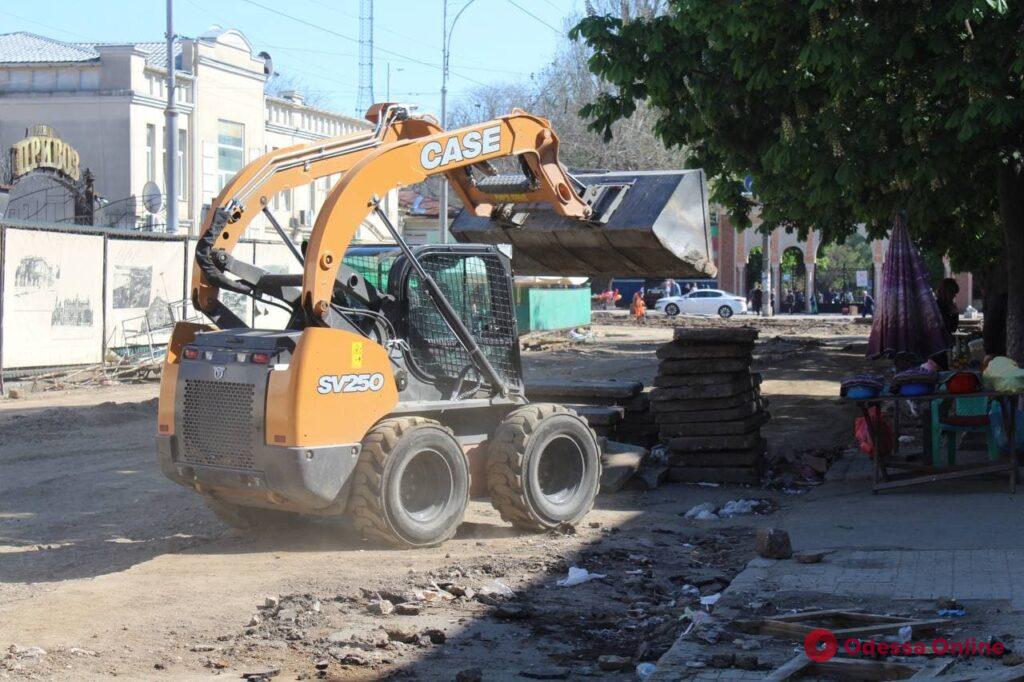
(907, 317)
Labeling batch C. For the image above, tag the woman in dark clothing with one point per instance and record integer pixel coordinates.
(945, 296)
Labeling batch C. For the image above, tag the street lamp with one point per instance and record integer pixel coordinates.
(446, 39)
(387, 96)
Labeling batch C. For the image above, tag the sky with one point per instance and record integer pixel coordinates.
(494, 40)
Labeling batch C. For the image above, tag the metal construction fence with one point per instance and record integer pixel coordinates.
(73, 295)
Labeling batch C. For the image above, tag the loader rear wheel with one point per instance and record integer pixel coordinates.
(411, 485)
(249, 518)
(543, 467)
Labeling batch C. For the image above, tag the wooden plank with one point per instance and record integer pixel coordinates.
(713, 336)
(730, 428)
(892, 627)
(729, 414)
(706, 443)
(934, 667)
(725, 389)
(548, 389)
(699, 404)
(786, 671)
(599, 415)
(863, 669)
(702, 365)
(705, 379)
(672, 351)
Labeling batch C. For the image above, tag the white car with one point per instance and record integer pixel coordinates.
(703, 302)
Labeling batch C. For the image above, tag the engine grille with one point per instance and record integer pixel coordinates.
(217, 424)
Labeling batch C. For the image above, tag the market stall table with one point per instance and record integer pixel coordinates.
(914, 473)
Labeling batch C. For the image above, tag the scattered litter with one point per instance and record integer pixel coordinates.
(708, 484)
(706, 507)
(645, 670)
(578, 576)
(497, 587)
(906, 439)
(740, 507)
(711, 599)
(952, 613)
(690, 590)
(904, 634)
(706, 516)
(585, 336)
(433, 595)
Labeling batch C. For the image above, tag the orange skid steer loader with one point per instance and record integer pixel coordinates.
(398, 372)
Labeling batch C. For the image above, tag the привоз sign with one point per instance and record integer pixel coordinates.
(44, 151)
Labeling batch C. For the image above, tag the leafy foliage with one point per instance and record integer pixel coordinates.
(843, 111)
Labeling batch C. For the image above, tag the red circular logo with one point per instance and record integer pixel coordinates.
(820, 645)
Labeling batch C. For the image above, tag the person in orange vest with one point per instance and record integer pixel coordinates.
(639, 309)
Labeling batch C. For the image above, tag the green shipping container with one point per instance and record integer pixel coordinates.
(542, 308)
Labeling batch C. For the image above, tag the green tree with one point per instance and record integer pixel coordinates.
(843, 112)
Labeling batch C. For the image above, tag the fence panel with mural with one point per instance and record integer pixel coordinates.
(75, 295)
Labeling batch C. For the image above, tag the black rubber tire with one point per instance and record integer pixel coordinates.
(515, 454)
(250, 518)
(378, 507)
(725, 312)
(671, 310)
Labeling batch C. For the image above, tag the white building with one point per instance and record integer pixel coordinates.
(107, 101)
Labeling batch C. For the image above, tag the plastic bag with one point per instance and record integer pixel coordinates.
(862, 431)
(1003, 374)
(995, 414)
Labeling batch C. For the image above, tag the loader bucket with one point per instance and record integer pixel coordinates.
(647, 224)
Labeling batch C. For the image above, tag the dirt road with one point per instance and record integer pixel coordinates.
(112, 570)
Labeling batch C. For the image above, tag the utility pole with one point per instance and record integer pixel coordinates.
(766, 274)
(387, 97)
(365, 96)
(442, 210)
(446, 38)
(171, 143)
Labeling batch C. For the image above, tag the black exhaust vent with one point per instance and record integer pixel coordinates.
(218, 425)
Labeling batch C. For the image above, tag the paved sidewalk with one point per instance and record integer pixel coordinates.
(979, 574)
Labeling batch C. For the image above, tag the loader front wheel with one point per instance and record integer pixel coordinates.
(543, 467)
(411, 485)
(249, 518)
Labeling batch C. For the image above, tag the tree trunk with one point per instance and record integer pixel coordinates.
(1011, 213)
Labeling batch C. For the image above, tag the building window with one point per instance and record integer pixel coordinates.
(230, 150)
(150, 152)
(182, 165)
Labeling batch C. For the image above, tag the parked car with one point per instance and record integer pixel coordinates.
(703, 302)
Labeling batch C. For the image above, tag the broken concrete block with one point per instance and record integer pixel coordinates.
(773, 543)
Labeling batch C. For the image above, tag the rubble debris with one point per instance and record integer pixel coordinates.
(610, 663)
(260, 674)
(402, 633)
(619, 463)
(773, 543)
(407, 609)
(545, 673)
(511, 612)
(809, 557)
(381, 607)
(496, 587)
